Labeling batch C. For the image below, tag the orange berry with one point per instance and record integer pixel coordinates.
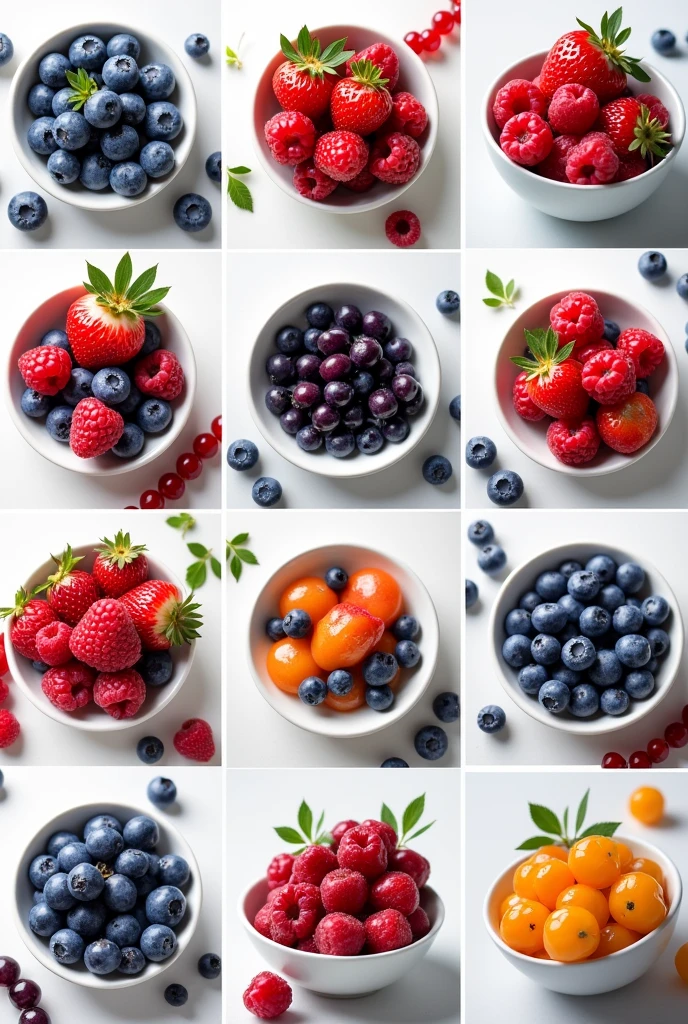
(522, 926)
(613, 938)
(594, 861)
(550, 879)
(625, 856)
(681, 962)
(524, 880)
(377, 592)
(648, 867)
(542, 954)
(290, 662)
(588, 898)
(571, 934)
(344, 636)
(311, 594)
(354, 699)
(546, 852)
(637, 902)
(508, 902)
(647, 805)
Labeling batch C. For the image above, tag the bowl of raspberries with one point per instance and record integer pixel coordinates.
(103, 116)
(101, 378)
(584, 131)
(586, 382)
(102, 636)
(345, 118)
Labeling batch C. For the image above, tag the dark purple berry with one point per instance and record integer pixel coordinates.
(24, 994)
(338, 393)
(319, 315)
(292, 420)
(398, 350)
(405, 387)
(405, 368)
(340, 445)
(349, 317)
(383, 404)
(413, 407)
(377, 325)
(307, 366)
(277, 400)
(363, 383)
(289, 340)
(309, 439)
(34, 1015)
(369, 441)
(305, 394)
(9, 971)
(335, 367)
(365, 351)
(334, 340)
(280, 369)
(353, 417)
(310, 340)
(325, 418)
(384, 370)
(396, 430)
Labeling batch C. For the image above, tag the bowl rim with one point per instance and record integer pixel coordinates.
(181, 417)
(41, 702)
(368, 466)
(671, 384)
(549, 964)
(428, 149)
(93, 981)
(383, 720)
(583, 726)
(89, 198)
(486, 111)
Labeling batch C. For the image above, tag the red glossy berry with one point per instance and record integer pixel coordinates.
(206, 445)
(614, 760)
(127, 507)
(457, 11)
(24, 994)
(34, 1015)
(443, 22)
(639, 759)
(171, 486)
(3, 657)
(431, 40)
(9, 971)
(216, 427)
(152, 499)
(676, 734)
(684, 715)
(658, 749)
(189, 466)
(414, 40)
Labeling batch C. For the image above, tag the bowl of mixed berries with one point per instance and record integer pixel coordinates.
(584, 131)
(101, 378)
(103, 117)
(345, 118)
(101, 637)
(586, 382)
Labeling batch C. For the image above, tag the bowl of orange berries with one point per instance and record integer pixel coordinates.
(587, 914)
(343, 640)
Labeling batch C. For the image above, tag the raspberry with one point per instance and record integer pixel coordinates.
(340, 829)
(261, 922)
(45, 369)
(518, 97)
(279, 870)
(573, 443)
(121, 694)
(308, 945)
(4, 691)
(526, 139)
(419, 922)
(389, 836)
(70, 686)
(362, 849)
(290, 136)
(656, 108)
(573, 109)
(52, 643)
(195, 740)
(340, 935)
(554, 166)
(4, 667)
(609, 376)
(402, 228)
(411, 862)
(312, 183)
(646, 351)
(274, 893)
(593, 161)
(630, 166)
(394, 158)
(9, 729)
(387, 930)
(295, 913)
(395, 890)
(384, 57)
(523, 403)
(577, 318)
(267, 996)
(160, 375)
(95, 428)
(408, 115)
(340, 154)
(313, 864)
(363, 182)
(586, 352)
(344, 890)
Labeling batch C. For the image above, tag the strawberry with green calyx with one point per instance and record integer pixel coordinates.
(633, 128)
(106, 326)
(558, 831)
(30, 615)
(361, 103)
(83, 87)
(163, 618)
(554, 381)
(120, 565)
(304, 81)
(70, 591)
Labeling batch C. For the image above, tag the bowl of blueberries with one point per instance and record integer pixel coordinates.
(587, 638)
(107, 896)
(103, 116)
(344, 380)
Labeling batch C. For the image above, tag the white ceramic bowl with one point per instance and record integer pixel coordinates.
(152, 49)
(73, 820)
(522, 580)
(52, 314)
(592, 977)
(406, 324)
(531, 438)
(582, 202)
(92, 718)
(340, 976)
(414, 77)
(323, 720)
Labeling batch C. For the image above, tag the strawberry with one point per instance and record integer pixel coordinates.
(628, 426)
(361, 103)
(106, 327)
(30, 615)
(95, 428)
(106, 638)
(383, 56)
(195, 740)
(591, 59)
(120, 565)
(161, 617)
(302, 82)
(554, 380)
(631, 126)
(70, 591)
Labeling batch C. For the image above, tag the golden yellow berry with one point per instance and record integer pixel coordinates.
(648, 867)
(508, 902)
(523, 925)
(594, 861)
(681, 962)
(647, 805)
(625, 856)
(613, 938)
(636, 901)
(588, 898)
(524, 880)
(571, 934)
(551, 878)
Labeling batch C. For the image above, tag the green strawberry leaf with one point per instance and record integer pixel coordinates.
(235, 567)
(123, 274)
(100, 281)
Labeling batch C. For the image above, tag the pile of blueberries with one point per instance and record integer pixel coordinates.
(106, 898)
(582, 642)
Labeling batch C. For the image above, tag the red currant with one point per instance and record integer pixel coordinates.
(152, 499)
(205, 446)
(171, 486)
(431, 40)
(676, 734)
(684, 715)
(613, 760)
(443, 22)
(457, 11)
(189, 466)
(414, 40)
(216, 427)
(639, 759)
(129, 506)
(658, 749)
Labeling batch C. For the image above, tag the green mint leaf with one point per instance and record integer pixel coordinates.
(413, 814)
(196, 575)
(601, 828)
(387, 816)
(510, 289)
(123, 274)
(240, 170)
(216, 567)
(420, 831)
(175, 521)
(239, 193)
(289, 835)
(545, 819)
(240, 538)
(535, 842)
(494, 284)
(233, 60)
(246, 556)
(582, 811)
(142, 284)
(100, 281)
(235, 567)
(198, 550)
(305, 818)
(494, 303)
(318, 827)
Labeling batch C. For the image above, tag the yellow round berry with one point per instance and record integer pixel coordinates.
(551, 878)
(588, 898)
(522, 926)
(681, 962)
(647, 805)
(571, 934)
(594, 861)
(637, 902)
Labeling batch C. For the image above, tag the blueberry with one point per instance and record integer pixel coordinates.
(154, 415)
(85, 882)
(104, 109)
(530, 601)
(59, 422)
(396, 430)
(266, 491)
(569, 631)
(312, 691)
(242, 454)
(111, 385)
(379, 698)
(578, 654)
(95, 172)
(277, 400)
(123, 930)
(88, 52)
(133, 960)
(584, 585)
(166, 905)
(369, 441)
(177, 995)
(161, 792)
(130, 443)
(119, 893)
(104, 843)
(584, 701)
(320, 315)
(455, 408)
(102, 957)
(480, 532)
(504, 487)
(532, 677)
(377, 325)
(128, 178)
(71, 130)
(210, 966)
(59, 840)
(40, 666)
(156, 158)
(296, 623)
(67, 946)
(72, 855)
(549, 618)
(545, 649)
(406, 627)
(568, 568)
(52, 68)
(340, 682)
(6, 49)
(517, 621)
(133, 863)
(173, 870)
(340, 445)
(446, 706)
(363, 383)
(642, 386)
(310, 340)
(480, 452)
(197, 45)
(43, 920)
(603, 566)
(655, 610)
(606, 670)
(41, 100)
(630, 577)
(652, 265)
(63, 167)
(491, 718)
(554, 696)
(633, 650)
(611, 597)
(652, 666)
(57, 893)
(659, 642)
(213, 166)
(309, 439)
(34, 404)
(398, 350)
(394, 762)
(614, 701)
(407, 653)
(124, 43)
(550, 585)
(133, 112)
(516, 651)
(289, 340)
(156, 81)
(682, 286)
(141, 832)
(611, 331)
(431, 742)
(437, 469)
(102, 821)
(40, 136)
(349, 317)
(663, 41)
(627, 619)
(41, 869)
(492, 558)
(120, 73)
(639, 684)
(448, 303)
(164, 122)
(158, 943)
(572, 607)
(156, 668)
(27, 211)
(380, 668)
(594, 621)
(471, 593)
(78, 386)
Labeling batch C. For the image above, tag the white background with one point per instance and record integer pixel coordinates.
(416, 278)
(32, 797)
(655, 537)
(659, 479)
(31, 481)
(495, 215)
(426, 542)
(150, 223)
(44, 741)
(280, 222)
(497, 821)
(430, 993)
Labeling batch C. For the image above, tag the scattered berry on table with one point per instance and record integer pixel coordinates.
(27, 211)
(403, 228)
(194, 740)
(150, 749)
(210, 966)
(161, 792)
(267, 996)
(448, 303)
(446, 706)
(242, 454)
(437, 469)
(431, 742)
(471, 593)
(266, 491)
(192, 212)
(663, 40)
(652, 265)
(394, 762)
(480, 533)
(480, 452)
(176, 995)
(491, 718)
(682, 286)
(504, 487)
(197, 45)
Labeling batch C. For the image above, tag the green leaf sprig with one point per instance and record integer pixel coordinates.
(410, 818)
(557, 832)
(503, 296)
(238, 191)
(83, 88)
(124, 298)
(237, 554)
(183, 522)
(233, 59)
(197, 572)
(307, 836)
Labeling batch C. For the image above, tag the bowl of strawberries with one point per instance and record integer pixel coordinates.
(101, 637)
(584, 131)
(101, 378)
(586, 382)
(345, 118)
